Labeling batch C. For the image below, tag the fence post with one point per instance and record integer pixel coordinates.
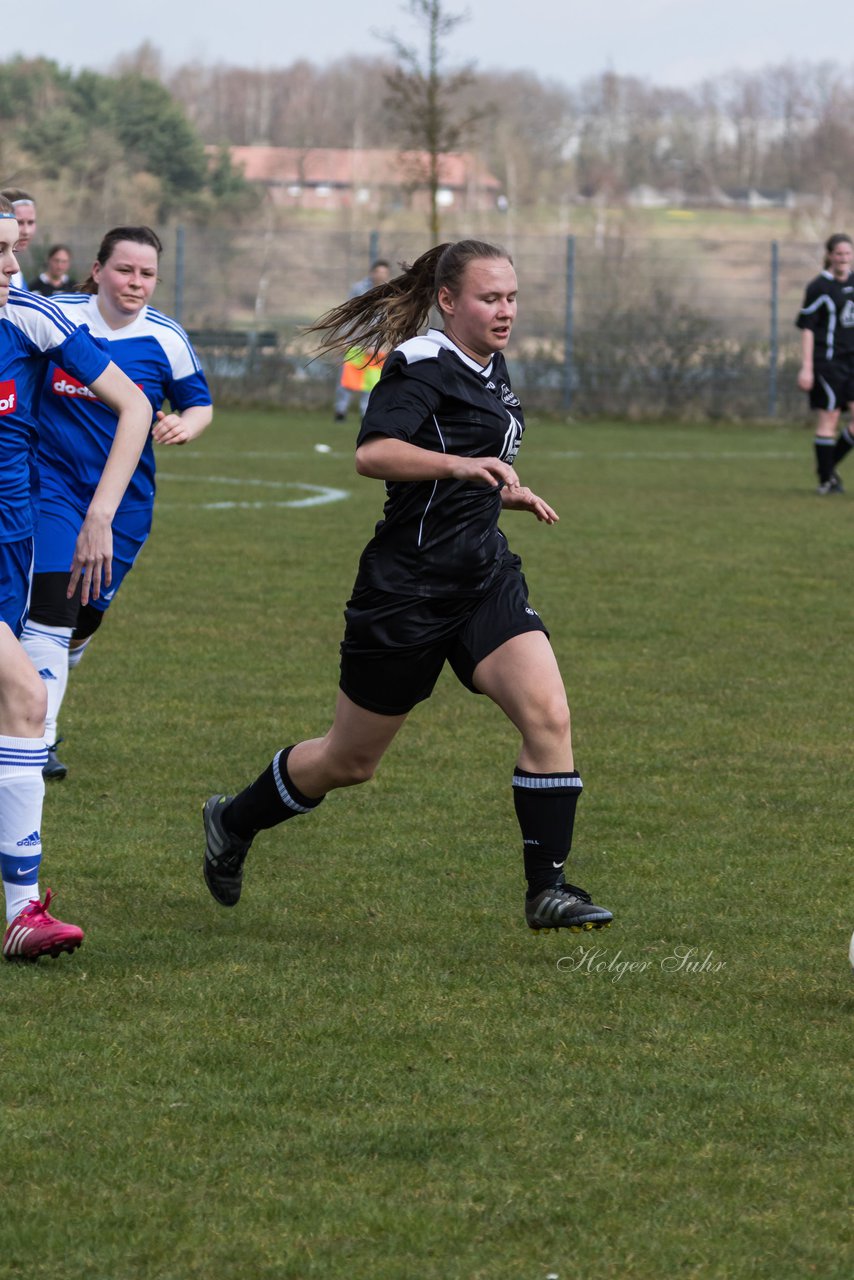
(774, 343)
(374, 247)
(568, 328)
(179, 274)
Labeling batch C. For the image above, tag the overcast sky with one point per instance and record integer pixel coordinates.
(668, 42)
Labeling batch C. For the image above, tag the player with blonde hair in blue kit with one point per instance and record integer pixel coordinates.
(437, 583)
(32, 332)
(76, 433)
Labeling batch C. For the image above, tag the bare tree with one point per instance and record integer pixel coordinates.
(424, 97)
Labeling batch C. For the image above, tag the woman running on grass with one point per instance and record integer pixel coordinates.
(32, 333)
(437, 583)
(76, 433)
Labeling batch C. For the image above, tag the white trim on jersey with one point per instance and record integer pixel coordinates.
(826, 301)
(83, 308)
(32, 314)
(429, 502)
(157, 317)
(426, 347)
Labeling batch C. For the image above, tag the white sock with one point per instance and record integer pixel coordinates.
(21, 798)
(47, 649)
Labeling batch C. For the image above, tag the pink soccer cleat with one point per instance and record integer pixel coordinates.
(35, 933)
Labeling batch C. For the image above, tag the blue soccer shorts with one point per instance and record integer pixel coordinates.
(60, 521)
(16, 570)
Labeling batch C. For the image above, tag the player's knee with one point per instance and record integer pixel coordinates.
(355, 769)
(23, 701)
(552, 720)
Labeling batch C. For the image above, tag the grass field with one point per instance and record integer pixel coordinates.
(371, 1069)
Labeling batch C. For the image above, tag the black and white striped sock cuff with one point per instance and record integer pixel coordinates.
(547, 781)
(288, 793)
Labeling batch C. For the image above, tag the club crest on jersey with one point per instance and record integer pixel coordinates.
(508, 396)
(8, 396)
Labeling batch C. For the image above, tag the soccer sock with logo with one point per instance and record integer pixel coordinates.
(21, 799)
(545, 808)
(272, 798)
(824, 459)
(47, 649)
(843, 445)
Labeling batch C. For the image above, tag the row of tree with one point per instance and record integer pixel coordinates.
(786, 128)
(102, 139)
(782, 128)
(142, 130)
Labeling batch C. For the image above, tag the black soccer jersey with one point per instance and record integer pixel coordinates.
(440, 537)
(828, 310)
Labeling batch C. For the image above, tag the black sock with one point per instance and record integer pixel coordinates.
(272, 798)
(844, 445)
(824, 458)
(545, 808)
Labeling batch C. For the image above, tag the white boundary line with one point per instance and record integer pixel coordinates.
(319, 495)
(687, 456)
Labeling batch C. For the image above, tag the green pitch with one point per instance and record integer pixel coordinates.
(370, 1069)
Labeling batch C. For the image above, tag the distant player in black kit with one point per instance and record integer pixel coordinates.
(437, 582)
(826, 321)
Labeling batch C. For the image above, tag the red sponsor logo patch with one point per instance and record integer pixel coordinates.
(62, 384)
(8, 396)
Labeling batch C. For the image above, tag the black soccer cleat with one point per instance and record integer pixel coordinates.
(224, 854)
(54, 769)
(831, 486)
(565, 906)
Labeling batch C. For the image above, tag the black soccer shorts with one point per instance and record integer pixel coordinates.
(833, 385)
(394, 647)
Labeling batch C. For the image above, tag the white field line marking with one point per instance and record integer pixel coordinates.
(267, 455)
(687, 456)
(319, 495)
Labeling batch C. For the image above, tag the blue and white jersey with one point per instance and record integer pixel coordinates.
(32, 332)
(76, 430)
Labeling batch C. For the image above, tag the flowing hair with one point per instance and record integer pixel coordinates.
(390, 313)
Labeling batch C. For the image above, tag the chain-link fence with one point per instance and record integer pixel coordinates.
(615, 326)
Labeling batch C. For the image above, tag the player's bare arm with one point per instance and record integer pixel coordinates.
(805, 374)
(384, 458)
(92, 561)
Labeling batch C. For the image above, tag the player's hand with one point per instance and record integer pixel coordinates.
(806, 378)
(169, 428)
(92, 565)
(490, 472)
(520, 498)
